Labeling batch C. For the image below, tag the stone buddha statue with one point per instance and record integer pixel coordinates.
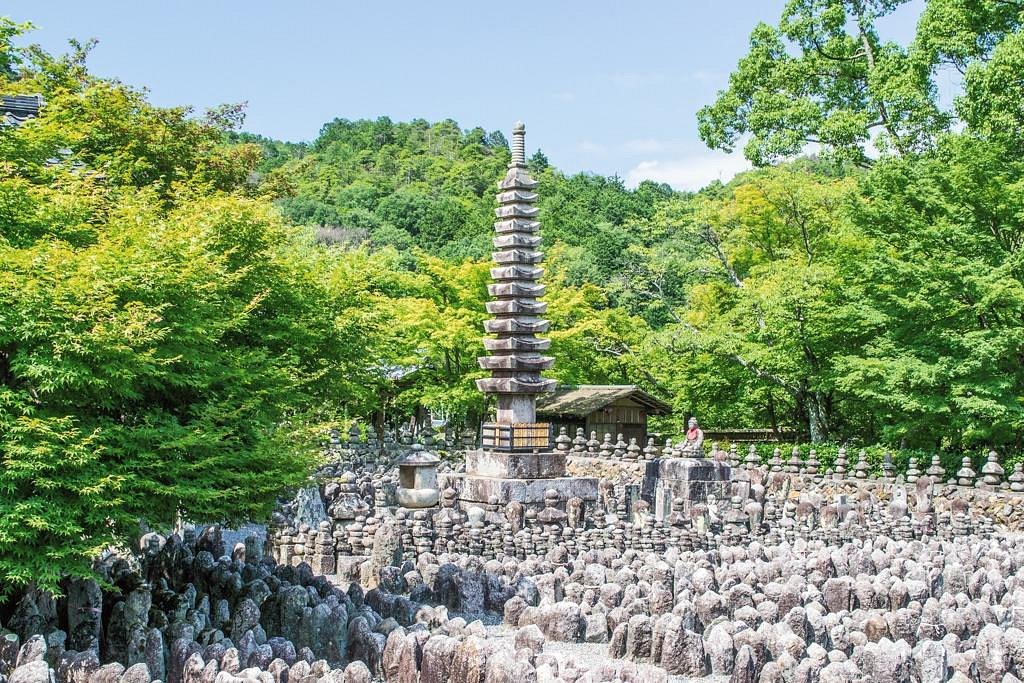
(694, 444)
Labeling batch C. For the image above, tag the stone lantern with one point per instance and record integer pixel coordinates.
(417, 479)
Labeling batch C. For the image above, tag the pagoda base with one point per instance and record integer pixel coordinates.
(503, 477)
(476, 490)
(506, 465)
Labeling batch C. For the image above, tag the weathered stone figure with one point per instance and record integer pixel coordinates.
(514, 513)
(551, 516)
(694, 445)
(574, 511)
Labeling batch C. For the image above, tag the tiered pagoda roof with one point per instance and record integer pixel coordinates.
(515, 360)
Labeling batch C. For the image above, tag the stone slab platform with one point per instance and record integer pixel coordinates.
(474, 488)
(504, 465)
(688, 479)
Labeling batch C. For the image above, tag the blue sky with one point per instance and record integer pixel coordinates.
(607, 87)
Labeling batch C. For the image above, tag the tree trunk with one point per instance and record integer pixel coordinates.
(773, 416)
(817, 423)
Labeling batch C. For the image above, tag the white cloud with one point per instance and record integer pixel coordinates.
(565, 96)
(688, 173)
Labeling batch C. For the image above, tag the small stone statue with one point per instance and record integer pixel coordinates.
(563, 443)
(641, 513)
(840, 469)
(862, 468)
(888, 468)
(619, 449)
(514, 513)
(1017, 478)
(551, 516)
(992, 472)
(752, 460)
(898, 506)
(447, 519)
(650, 451)
(574, 510)
(606, 495)
(966, 475)
(794, 463)
(579, 444)
(935, 470)
(913, 473)
(678, 517)
(812, 463)
(694, 444)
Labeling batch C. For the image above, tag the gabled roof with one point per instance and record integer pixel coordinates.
(583, 399)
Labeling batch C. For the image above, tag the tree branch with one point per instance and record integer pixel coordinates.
(709, 237)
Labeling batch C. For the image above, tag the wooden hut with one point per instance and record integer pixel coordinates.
(603, 408)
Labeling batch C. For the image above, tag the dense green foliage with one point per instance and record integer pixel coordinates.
(187, 306)
(165, 340)
(906, 321)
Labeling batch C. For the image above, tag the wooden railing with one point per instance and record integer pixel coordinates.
(516, 437)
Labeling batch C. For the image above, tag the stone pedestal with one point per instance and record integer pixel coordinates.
(523, 477)
(503, 465)
(688, 480)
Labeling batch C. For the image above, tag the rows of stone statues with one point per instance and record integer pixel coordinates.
(779, 501)
(359, 452)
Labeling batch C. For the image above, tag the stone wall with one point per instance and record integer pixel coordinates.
(617, 471)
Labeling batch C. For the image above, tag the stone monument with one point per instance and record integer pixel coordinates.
(417, 479)
(516, 461)
(676, 484)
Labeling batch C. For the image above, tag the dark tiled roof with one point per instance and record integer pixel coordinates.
(584, 399)
(18, 108)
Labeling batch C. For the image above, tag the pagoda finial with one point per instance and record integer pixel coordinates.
(518, 145)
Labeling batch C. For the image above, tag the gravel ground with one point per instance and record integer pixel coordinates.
(587, 655)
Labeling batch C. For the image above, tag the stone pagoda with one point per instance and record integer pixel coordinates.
(515, 359)
(517, 461)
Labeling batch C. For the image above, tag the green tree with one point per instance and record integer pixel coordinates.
(824, 76)
(947, 285)
(777, 304)
(959, 33)
(438, 329)
(992, 105)
(167, 347)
